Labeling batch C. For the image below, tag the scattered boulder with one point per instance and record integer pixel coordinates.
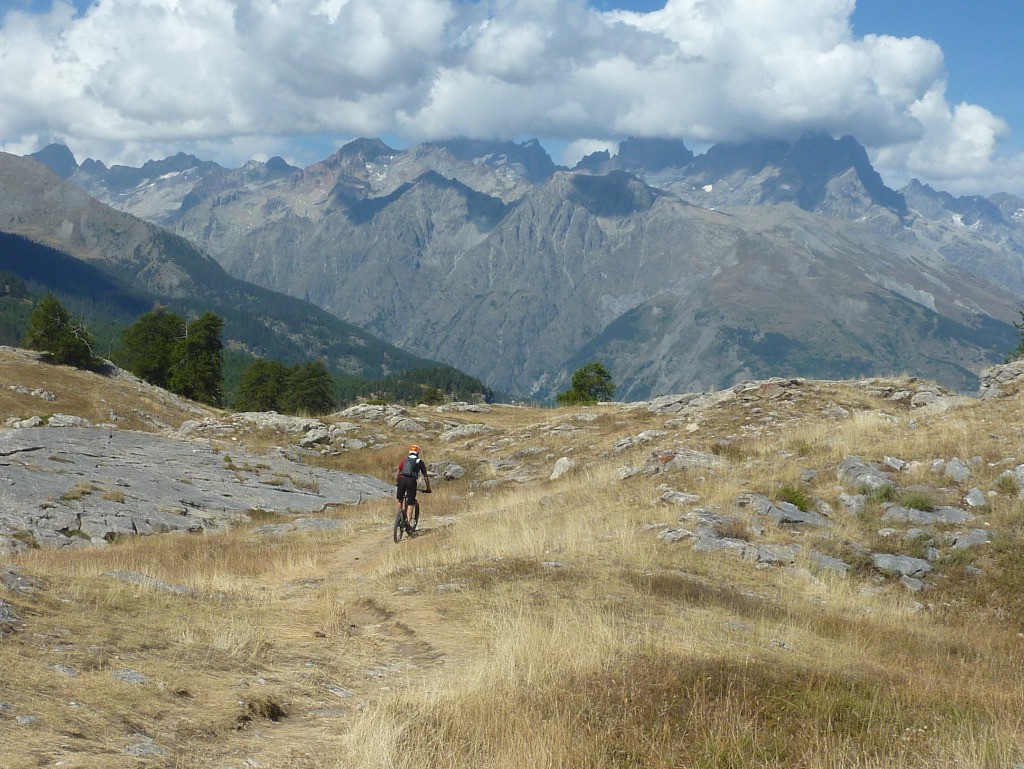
(17, 582)
(8, 619)
(853, 503)
(637, 440)
(783, 513)
(316, 437)
(971, 539)
(829, 563)
(465, 431)
(902, 565)
(673, 497)
(854, 471)
(999, 381)
(406, 424)
(66, 420)
(21, 424)
(957, 470)
(129, 676)
(940, 515)
(563, 466)
(447, 470)
(681, 459)
(461, 406)
(976, 498)
(271, 420)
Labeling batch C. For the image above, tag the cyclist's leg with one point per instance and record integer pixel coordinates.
(400, 495)
(410, 501)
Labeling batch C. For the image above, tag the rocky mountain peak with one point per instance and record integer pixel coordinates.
(722, 160)
(653, 154)
(366, 150)
(815, 159)
(528, 159)
(967, 210)
(639, 155)
(58, 158)
(615, 194)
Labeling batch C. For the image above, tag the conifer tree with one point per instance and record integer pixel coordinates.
(263, 386)
(52, 330)
(148, 346)
(309, 391)
(590, 384)
(197, 371)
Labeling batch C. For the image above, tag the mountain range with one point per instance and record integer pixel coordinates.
(680, 272)
(57, 236)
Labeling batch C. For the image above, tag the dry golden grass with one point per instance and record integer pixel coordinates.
(544, 624)
(100, 399)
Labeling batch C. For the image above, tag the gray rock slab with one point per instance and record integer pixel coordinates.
(17, 582)
(783, 513)
(67, 486)
(828, 562)
(957, 470)
(903, 565)
(134, 578)
(465, 431)
(636, 440)
(8, 619)
(940, 515)
(129, 676)
(706, 542)
(975, 498)
(854, 471)
(971, 538)
(682, 459)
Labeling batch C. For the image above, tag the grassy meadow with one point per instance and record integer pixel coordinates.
(542, 623)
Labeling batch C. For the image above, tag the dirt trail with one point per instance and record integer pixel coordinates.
(390, 642)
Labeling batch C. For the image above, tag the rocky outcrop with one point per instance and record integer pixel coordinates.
(999, 381)
(62, 487)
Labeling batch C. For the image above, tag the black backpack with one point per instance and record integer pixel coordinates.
(411, 467)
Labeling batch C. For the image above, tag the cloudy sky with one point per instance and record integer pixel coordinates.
(931, 88)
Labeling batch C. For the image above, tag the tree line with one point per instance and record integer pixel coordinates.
(186, 357)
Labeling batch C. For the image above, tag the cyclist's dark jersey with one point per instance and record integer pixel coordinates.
(406, 485)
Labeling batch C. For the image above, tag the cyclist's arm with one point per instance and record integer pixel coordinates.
(426, 477)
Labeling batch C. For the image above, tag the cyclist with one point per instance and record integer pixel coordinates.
(409, 469)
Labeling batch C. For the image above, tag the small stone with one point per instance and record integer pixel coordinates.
(130, 676)
(976, 498)
(957, 470)
(563, 466)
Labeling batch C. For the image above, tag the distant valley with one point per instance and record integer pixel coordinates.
(681, 273)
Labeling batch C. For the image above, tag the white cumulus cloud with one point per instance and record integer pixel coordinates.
(126, 80)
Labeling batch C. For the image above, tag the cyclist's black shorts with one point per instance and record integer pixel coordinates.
(406, 489)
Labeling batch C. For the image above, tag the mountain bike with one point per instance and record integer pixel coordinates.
(400, 527)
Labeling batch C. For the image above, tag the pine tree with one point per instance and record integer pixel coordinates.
(148, 346)
(309, 391)
(263, 386)
(590, 384)
(52, 330)
(197, 371)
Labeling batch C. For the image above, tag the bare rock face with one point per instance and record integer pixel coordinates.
(999, 381)
(63, 487)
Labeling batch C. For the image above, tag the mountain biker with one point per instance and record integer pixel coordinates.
(409, 469)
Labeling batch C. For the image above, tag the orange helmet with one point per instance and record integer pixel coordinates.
(414, 449)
